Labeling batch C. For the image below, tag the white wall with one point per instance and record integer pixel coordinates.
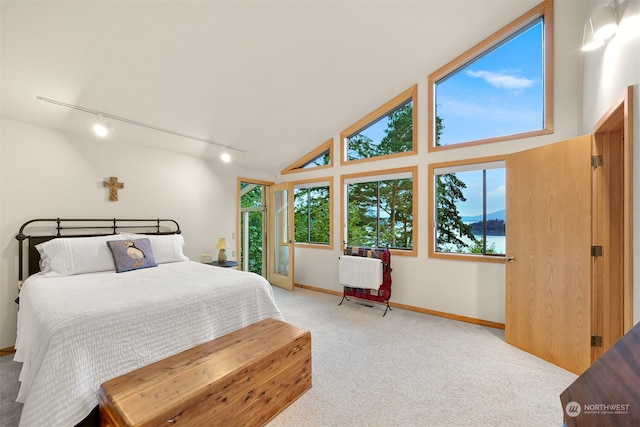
(45, 173)
(608, 72)
(471, 289)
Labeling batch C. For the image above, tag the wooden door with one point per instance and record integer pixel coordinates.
(548, 280)
(280, 236)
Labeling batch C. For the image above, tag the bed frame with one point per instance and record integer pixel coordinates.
(42, 230)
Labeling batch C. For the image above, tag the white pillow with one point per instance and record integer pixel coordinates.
(165, 247)
(66, 256)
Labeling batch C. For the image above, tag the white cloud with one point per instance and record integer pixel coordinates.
(502, 80)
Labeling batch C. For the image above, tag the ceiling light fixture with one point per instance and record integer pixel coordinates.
(102, 128)
(226, 157)
(133, 122)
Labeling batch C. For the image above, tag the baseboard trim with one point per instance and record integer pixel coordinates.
(7, 350)
(457, 317)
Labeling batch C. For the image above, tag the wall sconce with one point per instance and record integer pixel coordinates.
(222, 246)
(601, 26)
(588, 40)
(604, 23)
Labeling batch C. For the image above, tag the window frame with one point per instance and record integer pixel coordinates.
(328, 179)
(545, 11)
(432, 253)
(413, 170)
(299, 165)
(410, 94)
(238, 242)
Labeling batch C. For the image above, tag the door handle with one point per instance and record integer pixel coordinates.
(509, 259)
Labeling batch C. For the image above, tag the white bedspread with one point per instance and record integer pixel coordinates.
(76, 332)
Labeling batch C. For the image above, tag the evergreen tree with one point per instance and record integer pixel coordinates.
(253, 199)
(449, 225)
(312, 215)
(381, 213)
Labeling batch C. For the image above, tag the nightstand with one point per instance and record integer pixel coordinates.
(225, 264)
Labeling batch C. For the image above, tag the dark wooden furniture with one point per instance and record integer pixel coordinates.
(244, 378)
(225, 264)
(608, 392)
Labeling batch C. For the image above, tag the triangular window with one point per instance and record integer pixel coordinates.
(321, 157)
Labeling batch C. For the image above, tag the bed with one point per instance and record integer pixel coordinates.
(86, 317)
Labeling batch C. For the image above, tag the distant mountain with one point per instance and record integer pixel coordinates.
(493, 215)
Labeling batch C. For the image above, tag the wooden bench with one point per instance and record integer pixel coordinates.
(244, 378)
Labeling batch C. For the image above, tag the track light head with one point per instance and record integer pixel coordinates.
(102, 128)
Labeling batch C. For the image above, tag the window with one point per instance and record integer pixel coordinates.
(469, 208)
(380, 208)
(319, 158)
(252, 224)
(312, 212)
(500, 89)
(389, 131)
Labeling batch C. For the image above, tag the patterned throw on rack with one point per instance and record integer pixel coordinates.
(379, 294)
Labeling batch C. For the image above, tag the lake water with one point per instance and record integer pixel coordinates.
(500, 243)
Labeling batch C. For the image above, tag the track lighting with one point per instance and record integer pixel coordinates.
(103, 129)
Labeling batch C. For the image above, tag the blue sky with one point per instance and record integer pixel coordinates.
(498, 94)
(473, 192)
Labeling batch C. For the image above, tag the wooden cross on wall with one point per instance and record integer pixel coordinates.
(113, 186)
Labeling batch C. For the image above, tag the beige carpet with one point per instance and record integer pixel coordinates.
(404, 369)
(411, 369)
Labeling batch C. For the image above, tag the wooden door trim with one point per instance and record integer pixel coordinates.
(272, 276)
(619, 118)
(238, 243)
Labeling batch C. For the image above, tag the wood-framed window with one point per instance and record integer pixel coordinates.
(389, 131)
(319, 158)
(313, 213)
(501, 89)
(467, 215)
(380, 209)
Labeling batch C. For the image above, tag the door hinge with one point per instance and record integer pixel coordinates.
(596, 341)
(596, 250)
(596, 161)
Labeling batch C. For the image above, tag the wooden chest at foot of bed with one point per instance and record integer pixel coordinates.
(244, 378)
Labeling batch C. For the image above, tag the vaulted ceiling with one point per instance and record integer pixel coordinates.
(274, 78)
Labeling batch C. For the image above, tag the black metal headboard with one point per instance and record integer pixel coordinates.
(42, 230)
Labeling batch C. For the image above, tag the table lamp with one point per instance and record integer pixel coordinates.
(222, 246)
